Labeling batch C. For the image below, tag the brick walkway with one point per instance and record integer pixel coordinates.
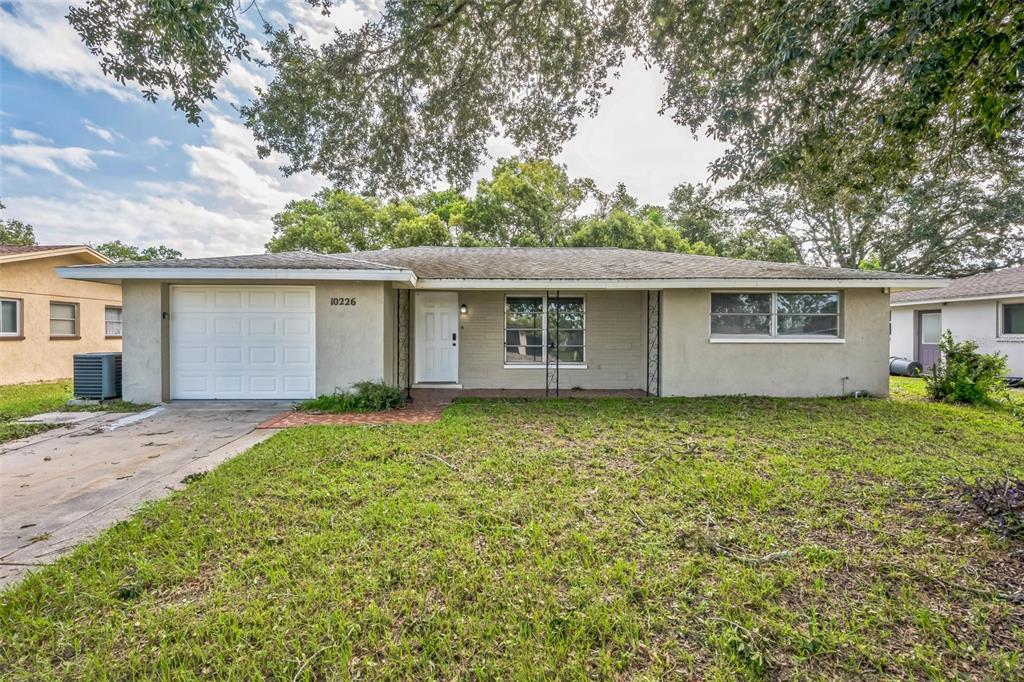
(427, 405)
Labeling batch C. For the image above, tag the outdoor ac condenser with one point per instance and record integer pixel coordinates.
(97, 375)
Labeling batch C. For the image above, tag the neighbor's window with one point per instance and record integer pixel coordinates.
(527, 327)
(112, 323)
(1013, 318)
(63, 319)
(10, 317)
(790, 315)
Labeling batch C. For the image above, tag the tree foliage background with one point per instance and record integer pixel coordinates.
(886, 131)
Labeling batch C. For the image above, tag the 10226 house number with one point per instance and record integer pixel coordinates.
(343, 300)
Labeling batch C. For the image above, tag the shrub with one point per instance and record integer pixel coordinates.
(1000, 502)
(963, 375)
(365, 396)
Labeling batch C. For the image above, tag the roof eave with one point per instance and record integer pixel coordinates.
(958, 299)
(88, 251)
(695, 283)
(115, 274)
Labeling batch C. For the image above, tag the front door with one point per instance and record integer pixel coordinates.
(437, 337)
(929, 333)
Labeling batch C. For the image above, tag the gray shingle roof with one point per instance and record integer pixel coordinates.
(439, 262)
(289, 260)
(1008, 281)
(12, 249)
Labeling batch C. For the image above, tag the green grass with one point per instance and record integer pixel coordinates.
(25, 400)
(572, 539)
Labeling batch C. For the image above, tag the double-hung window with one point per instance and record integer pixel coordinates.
(539, 329)
(112, 322)
(790, 315)
(63, 320)
(1013, 319)
(10, 318)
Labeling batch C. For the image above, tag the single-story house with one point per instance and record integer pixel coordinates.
(986, 308)
(45, 319)
(295, 325)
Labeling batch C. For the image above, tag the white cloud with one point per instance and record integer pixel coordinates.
(102, 133)
(53, 160)
(158, 142)
(29, 136)
(37, 38)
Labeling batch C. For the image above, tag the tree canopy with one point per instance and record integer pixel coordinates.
(869, 90)
(14, 232)
(120, 252)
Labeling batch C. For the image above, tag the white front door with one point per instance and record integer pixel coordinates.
(437, 337)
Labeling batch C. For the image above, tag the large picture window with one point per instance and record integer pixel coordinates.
(769, 315)
(538, 326)
(1013, 318)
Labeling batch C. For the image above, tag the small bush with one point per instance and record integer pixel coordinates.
(963, 375)
(999, 501)
(365, 396)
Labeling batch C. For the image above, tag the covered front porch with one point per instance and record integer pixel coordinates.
(541, 342)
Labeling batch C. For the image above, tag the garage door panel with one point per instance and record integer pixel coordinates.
(242, 342)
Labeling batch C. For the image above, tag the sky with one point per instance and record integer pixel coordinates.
(87, 160)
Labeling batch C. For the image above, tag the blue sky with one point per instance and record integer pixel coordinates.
(84, 159)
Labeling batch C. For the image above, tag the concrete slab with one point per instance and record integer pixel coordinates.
(67, 485)
(60, 417)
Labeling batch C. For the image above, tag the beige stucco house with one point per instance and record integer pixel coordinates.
(295, 325)
(45, 319)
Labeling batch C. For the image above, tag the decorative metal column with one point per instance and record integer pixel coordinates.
(551, 368)
(654, 343)
(403, 312)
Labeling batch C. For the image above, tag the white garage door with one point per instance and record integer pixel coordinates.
(242, 342)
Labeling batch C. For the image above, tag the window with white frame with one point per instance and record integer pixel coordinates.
(777, 314)
(63, 319)
(10, 317)
(539, 326)
(112, 321)
(1013, 319)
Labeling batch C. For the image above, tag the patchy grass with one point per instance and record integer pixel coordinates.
(25, 400)
(716, 538)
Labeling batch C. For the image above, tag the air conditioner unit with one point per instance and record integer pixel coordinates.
(97, 375)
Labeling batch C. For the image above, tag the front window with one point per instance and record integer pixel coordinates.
(112, 324)
(10, 317)
(769, 315)
(1013, 318)
(63, 319)
(537, 327)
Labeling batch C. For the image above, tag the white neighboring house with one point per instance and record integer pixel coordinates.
(986, 308)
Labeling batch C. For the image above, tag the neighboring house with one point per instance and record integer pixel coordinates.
(986, 308)
(45, 319)
(294, 325)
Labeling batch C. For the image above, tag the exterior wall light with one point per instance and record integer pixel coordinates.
(463, 309)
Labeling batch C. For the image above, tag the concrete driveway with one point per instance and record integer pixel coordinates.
(67, 485)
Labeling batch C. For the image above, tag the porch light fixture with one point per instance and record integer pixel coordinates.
(463, 309)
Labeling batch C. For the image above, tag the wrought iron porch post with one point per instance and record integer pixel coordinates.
(654, 343)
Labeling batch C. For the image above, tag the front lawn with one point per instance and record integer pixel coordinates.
(25, 400)
(715, 538)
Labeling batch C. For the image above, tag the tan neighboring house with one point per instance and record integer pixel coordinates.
(45, 319)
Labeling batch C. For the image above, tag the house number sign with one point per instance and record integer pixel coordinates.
(343, 300)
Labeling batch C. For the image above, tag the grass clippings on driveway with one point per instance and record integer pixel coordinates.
(717, 538)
